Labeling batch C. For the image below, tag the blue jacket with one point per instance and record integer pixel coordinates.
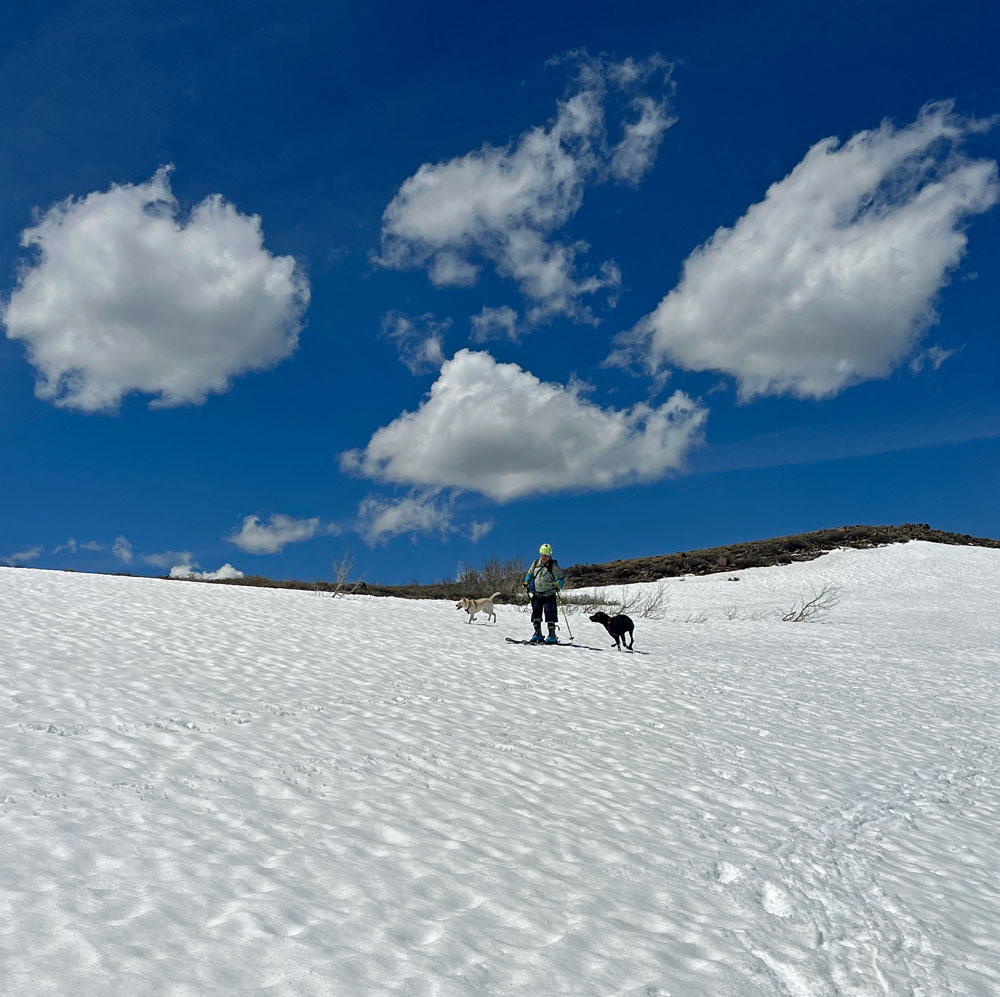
(544, 579)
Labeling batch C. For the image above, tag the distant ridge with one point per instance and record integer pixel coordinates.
(735, 557)
(761, 553)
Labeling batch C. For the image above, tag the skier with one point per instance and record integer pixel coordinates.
(543, 581)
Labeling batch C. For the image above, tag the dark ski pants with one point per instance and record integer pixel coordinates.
(544, 604)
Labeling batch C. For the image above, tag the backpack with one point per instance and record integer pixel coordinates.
(536, 567)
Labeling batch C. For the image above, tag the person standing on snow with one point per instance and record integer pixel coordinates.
(543, 581)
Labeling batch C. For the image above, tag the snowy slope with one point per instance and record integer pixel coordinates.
(222, 790)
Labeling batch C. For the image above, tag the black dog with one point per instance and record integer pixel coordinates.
(618, 627)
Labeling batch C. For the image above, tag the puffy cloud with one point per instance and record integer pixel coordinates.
(186, 570)
(123, 296)
(502, 205)
(255, 537)
(495, 323)
(832, 278)
(498, 430)
(420, 341)
(380, 519)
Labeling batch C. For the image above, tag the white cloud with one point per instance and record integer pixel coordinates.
(124, 296)
(478, 530)
(498, 430)
(832, 278)
(636, 152)
(255, 537)
(187, 571)
(122, 549)
(450, 270)
(24, 556)
(495, 323)
(169, 557)
(73, 546)
(419, 341)
(502, 205)
(380, 519)
(933, 355)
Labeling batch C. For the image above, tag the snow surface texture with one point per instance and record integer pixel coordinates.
(222, 790)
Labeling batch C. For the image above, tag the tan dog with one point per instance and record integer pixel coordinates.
(473, 606)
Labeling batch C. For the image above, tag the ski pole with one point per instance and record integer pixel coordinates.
(562, 606)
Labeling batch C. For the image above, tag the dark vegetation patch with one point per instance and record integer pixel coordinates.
(761, 553)
(505, 576)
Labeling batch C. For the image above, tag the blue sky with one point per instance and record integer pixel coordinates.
(417, 286)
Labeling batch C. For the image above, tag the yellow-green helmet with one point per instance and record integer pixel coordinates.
(545, 549)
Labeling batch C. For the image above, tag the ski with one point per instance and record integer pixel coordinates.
(560, 643)
(569, 643)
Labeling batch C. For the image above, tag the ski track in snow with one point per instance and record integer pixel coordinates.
(224, 790)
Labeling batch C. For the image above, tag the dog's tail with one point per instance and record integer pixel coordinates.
(494, 596)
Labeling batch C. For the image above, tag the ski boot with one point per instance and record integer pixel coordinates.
(536, 637)
(552, 638)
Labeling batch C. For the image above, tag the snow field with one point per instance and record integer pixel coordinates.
(224, 790)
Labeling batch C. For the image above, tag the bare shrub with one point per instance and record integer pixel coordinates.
(341, 572)
(587, 603)
(644, 602)
(698, 617)
(503, 575)
(647, 603)
(808, 610)
(743, 615)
